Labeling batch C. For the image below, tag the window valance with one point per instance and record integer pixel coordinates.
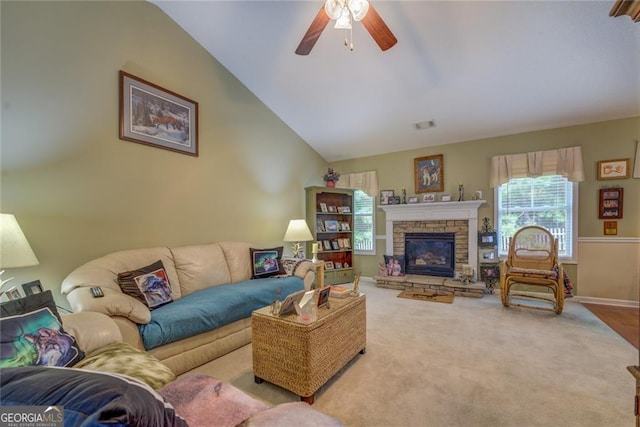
(364, 181)
(566, 162)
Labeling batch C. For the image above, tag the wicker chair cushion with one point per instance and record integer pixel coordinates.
(531, 272)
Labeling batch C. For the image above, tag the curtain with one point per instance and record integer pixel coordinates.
(566, 162)
(364, 181)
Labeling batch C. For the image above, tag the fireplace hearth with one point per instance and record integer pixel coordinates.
(430, 254)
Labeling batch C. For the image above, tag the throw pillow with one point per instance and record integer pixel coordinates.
(394, 265)
(122, 358)
(266, 262)
(149, 285)
(290, 265)
(32, 334)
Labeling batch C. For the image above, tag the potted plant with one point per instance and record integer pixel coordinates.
(331, 177)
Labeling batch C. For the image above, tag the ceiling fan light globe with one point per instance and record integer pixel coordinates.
(343, 22)
(358, 8)
(333, 9)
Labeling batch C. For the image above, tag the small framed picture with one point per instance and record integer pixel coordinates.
(614, 169)
(337, 265)
(323, 295)
(13, 293)
(385, 195)
(331, 226)
(611, 203)
(429, 198)
(323, 207)
(346, 209)
(490, 272)
(326, 245)
(333, 209)
(334, 245)
(488, 255)
(487, 239)
(345, 226)
(328, 265)
(413, 200)
(610, 228)
(319, 226)
(32, 288)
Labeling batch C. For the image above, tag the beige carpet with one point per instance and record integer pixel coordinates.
(432, 296)
(470, 363)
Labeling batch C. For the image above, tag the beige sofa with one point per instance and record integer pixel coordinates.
(189, 269)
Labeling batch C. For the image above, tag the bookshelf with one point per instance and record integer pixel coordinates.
(330, 218)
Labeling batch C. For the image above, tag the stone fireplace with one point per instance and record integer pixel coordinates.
(458, 218)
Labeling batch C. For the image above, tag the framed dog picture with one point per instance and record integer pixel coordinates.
(428, 173)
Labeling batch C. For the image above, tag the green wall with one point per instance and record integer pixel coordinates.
(470, 163)
(80, 192)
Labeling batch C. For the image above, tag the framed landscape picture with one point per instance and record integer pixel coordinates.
(428, 173)
(152, 115)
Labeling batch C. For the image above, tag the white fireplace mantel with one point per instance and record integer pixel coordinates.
(436, 211)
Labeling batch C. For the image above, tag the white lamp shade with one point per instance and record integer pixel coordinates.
(14, 248)
(298, 231)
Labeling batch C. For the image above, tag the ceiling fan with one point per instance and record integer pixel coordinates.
(344, 12)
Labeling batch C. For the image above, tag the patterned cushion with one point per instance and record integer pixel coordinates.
(266, 262)
(290, 265)
(530, 272)
(32, 334)
(122, 358)
(149, 285)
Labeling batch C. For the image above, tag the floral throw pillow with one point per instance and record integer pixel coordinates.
(266, 262)
(149, 285)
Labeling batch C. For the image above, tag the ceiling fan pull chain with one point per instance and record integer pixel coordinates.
(351, 37)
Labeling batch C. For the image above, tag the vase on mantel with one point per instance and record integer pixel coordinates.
(331, 184)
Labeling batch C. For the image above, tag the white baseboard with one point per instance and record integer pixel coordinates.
(607, 301)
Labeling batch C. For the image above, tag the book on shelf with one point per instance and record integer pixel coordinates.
(340, 291)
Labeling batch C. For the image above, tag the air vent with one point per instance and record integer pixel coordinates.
(428, 124)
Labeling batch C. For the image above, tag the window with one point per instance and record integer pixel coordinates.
(364, 225)
(546, 201)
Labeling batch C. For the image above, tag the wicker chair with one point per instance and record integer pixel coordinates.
(533, 260)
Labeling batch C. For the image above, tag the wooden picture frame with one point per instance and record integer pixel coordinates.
(614, 169)
(323, 295)
(610, 228)
(610, 203)
(152, 115)
(32, 288)
(328, 265)
(428, 173)
(331, 226)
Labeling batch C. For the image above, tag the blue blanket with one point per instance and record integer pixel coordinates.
(212, 308)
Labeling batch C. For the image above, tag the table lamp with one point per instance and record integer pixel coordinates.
(297, 231)
(15, 251)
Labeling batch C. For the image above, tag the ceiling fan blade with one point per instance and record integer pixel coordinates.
(313, 33)
(378, 29)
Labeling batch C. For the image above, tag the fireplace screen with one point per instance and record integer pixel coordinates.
(431, 254)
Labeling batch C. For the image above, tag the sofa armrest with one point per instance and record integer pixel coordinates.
(306, 270)
(91, 330)
(112, 304)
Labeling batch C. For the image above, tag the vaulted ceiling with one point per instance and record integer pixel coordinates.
(478, 69)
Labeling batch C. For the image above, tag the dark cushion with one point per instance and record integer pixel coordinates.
(88, 398)
(266, 262)
(32, 334)
(149, 285)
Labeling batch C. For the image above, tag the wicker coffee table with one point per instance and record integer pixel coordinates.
(303, 357)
